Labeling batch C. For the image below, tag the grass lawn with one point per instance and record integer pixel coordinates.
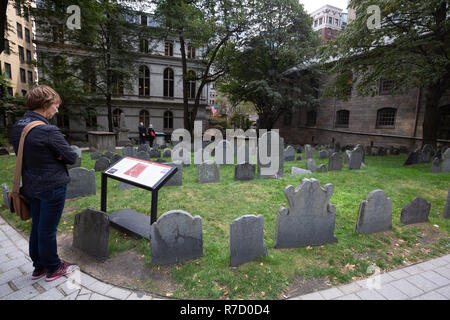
(211, 277)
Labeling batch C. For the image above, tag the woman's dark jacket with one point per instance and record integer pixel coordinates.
(41, 169)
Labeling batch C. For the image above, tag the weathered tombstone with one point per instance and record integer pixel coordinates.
(155, 153)
(289, 154)
(322, 168)
(111, 148)
(446, 161)
(177, 178)
(347, 156)
(337, 147)
(167, 153)
(115, 158)
(323, 154)
(77, 164)
(129, 151)
(335, 161)
(436, 165)
(108, 154)
(355, 159)
(77, 150)
(5, 191)
(299, 157)
(416, 211)
(311, 165)
(176, 236)
(309, 151)
(295, 170)
(247, 239)
(262, 169)
(310, 219)
(101, 164)
(244, 171)
(375, 213)
(91, 233)
(82, 183)
(208, 172)
(446, 213)
(143, 147)
(96, 155)
(427, 150)
(143, 155)
(126, 186)
(413, 158)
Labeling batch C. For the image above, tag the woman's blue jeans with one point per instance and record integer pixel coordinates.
(46, 210)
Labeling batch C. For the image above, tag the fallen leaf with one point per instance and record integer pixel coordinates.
(226, 292)
(435, 225)
(349, 266)
(308, 248)
(263, 293)
(169, 294)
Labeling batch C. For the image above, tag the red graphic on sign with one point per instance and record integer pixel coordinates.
(136, 170)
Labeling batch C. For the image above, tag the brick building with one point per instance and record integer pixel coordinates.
(327, 21)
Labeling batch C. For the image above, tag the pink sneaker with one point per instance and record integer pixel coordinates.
(64, 269)
(38, 273)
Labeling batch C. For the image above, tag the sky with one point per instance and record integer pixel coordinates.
(311, 5)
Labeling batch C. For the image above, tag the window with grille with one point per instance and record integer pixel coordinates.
(168, 82)
(19, 31)
(311, 118)
(386, 87)
(144, 117)
(21, 54)
(23, 78)
(144, 81)
(191, 52)
(386, 118)
(342, 118)
(191, 85)
(8, 71)
(27, 35)
(168, 50)
(168, 120)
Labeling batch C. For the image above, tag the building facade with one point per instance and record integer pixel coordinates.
(327, 21)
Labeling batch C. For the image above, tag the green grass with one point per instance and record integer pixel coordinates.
(211, 277)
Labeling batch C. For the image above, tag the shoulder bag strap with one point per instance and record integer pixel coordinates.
(18, 171)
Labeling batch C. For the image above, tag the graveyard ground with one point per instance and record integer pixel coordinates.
(284, 272)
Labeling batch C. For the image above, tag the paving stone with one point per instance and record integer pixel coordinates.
(99, 287)
(431, 296)
(5, 289)
(4, 258)
(422, 283)
(412, 270)
(27, 268)
(68, 288)
(391, 293)
(438, 262)
(10, 275)
(349, 297)
(15, 255)
(436, 278)
(86, 279)
(445, 291)
(398, 274)
(331, 293)
(84, 297)
(369, 294)
(97, 296)
(312, 296)
(443, 271)
(135, 296)
(52, 284)
(22, 294)
(23, 281)
(426, 266)
(407, 288)
(52, 294)
(118, 293)
(350, 288)
(72, 296)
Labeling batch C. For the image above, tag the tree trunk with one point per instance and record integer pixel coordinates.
(431, 117)
(110, 118)
(187, 121)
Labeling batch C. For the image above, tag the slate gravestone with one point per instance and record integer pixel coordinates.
(116, 158)
(436, 165)
(101, 164)
(323, 154)
(311, 165)
(111, 148)
(244, 171)
(91, 233)
(413, 158)
(208, 172)
(347, 156)
(337, 147)
(126, 186)
(322, 168)
(427, 151)
(175, 237)
(375, 213)
(298, 148)
(309, 151)
(77, 164)
(247, 239)
(299, 157)
(355, 159)
(277, 159)
(143, 155)
(129, 151)
(108, 154)
(446, 213)
(289, 154)
(77, 150)
(167, 153)
(446, 161)
(295, 170)
(416, 211)
(155, 153)
(310, 219)
(438, 154)
(143, 147)
(96, 155)
(335, 161)
(177, 178)
(5, 191)
(82, 183)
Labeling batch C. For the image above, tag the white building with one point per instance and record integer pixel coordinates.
(327, 21)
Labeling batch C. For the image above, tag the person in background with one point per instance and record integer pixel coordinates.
(142, 133)
(151, 135)
(44, 180)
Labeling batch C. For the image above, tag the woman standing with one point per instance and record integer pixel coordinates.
(151, 135)
(44, 180)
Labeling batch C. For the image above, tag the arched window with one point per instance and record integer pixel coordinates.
(91, 118)
(168, 82)
(168, 120)
(116, 117)
(191, 85)
(144, 116)
(342, 118)
(311, 118)
(191, 52)
(386, 118)
(144, 81)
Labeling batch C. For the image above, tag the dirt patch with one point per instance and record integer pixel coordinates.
(301, 286)
(126, 269)
(427, 233)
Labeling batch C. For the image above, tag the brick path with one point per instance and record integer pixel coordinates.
(429, 280)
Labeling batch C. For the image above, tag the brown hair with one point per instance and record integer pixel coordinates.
(41, 97)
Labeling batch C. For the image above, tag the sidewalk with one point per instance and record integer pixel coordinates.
(429, 280)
